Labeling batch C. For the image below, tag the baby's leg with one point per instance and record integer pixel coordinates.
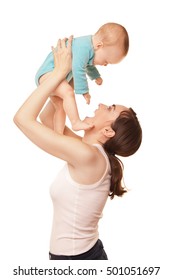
(47, 115)
(57, 110)
(59, 115)
(66, 92)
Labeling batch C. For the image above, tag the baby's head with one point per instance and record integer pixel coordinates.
(111, 44)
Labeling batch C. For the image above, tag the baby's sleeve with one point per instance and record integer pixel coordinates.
(92, 72)
(79, 74)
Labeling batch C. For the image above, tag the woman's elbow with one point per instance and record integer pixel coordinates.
(17, 119)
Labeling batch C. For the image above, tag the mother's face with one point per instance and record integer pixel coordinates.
(105, 115)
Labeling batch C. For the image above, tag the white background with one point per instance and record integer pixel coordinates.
(136, 229)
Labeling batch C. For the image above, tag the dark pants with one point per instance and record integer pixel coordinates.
(97, 252)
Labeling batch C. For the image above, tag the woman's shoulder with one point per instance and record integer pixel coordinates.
(93, 153)
(92, 164)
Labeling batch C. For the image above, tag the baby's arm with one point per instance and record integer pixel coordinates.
(99, 81)
(92, 72)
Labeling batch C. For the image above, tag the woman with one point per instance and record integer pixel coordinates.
(92, 172)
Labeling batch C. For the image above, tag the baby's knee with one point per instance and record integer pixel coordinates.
(70, 92)
(64, 90)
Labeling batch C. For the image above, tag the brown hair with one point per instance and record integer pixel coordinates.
(114, 34)
(127, 140)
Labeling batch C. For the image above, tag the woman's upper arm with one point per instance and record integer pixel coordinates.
(69, 132)
(69, 149)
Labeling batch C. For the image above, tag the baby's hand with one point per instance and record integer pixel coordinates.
(99, 81)
(87, 97)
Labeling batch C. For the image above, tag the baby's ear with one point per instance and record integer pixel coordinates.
(108, 132)
(99, 45)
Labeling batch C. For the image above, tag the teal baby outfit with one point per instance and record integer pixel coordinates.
(82, 64)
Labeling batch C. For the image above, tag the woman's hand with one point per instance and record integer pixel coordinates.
(63, 56)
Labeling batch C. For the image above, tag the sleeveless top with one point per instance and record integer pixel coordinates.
(77, 209)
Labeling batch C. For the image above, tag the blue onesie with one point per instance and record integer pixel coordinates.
(82, 64)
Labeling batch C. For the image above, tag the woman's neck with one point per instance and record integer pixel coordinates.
(91, 139)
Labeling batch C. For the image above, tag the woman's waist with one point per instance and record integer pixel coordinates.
(73, 243)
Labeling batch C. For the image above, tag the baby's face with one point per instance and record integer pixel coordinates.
(107, 55)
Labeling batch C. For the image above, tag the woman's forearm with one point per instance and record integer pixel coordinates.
(31, 108)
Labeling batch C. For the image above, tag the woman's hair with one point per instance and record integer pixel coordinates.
(114, 34)
(126, 141)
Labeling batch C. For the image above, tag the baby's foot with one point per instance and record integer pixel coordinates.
(81, 125)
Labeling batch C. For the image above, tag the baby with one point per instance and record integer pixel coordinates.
(109, 45)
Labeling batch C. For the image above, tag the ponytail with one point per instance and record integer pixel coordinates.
(125, 142)
(116, 187)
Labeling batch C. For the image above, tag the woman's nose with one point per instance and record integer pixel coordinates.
(101, 105)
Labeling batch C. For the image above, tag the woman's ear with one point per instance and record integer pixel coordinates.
(108, 132)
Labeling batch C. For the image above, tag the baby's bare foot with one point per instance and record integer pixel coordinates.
(81, 125)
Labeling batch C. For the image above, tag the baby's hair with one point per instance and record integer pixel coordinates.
(114, 34)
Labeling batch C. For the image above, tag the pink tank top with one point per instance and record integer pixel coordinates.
(77, 210)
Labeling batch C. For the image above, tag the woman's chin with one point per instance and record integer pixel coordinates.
(88, 120)
(90, 117)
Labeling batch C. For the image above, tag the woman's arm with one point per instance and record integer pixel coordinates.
(61, 146)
